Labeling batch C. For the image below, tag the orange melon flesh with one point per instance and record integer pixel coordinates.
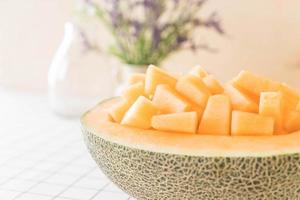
(198, 71)
(176, 75)
(129, 95)
(290, 97)
(239, 100)
(98, 121)
(216, 118)
(179, 122)
(136, 78)
(199, 110)
(132, 92)
(253, 97)
(292, 121)
(167, 100)
(118, 110)
(271, 105)
(193, 88)
(213, 84)
(298, 107)
(255, 84)
(156, 76)
(140, 113)
(244, 123)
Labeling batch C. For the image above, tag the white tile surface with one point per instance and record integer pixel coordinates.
(79, 193)
(47, 189)
(91, 183)
(111, 196)
(18, 185)
(42, 156)
(8, 195)
(113, 188)
(33, 197)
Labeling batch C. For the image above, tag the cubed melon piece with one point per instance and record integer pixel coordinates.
(176, 75)
(290, 97)
(193, 88)
(198, 109)
(156, 76)
(270, 104)
(253, 97)
(239, 100)
(216, 118)
(292, 121)
(136, 78)
(245, 123)
(179, 122)
(255, 84)
(298, 107)
(140, 113)
(132, 92)
(167, 100)
(213, 84)
(198, 71)
(118, 110)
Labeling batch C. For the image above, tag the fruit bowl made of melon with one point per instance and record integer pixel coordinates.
(171, 154)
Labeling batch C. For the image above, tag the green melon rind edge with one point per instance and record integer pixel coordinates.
(151, 175)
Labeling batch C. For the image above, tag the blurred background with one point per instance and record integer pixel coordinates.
(67, 55)
(261, 36)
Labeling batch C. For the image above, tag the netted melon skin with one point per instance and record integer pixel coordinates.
(149, 175)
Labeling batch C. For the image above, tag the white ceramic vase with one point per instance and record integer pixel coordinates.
(123, 73)
(78, 78)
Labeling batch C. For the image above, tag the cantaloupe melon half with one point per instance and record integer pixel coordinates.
(151, 164)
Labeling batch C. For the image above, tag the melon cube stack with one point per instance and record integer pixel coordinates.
(216, 118)
(245, 123)
(194, 89)
(167, 100)
(154, 77)
(140, 113)
(179, 122)
(197, 103)
(239, 100)
(271, 105)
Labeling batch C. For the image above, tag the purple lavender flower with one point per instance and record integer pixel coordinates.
(162, 27)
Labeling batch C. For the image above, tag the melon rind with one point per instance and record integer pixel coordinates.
(147, 175)
(155, 173)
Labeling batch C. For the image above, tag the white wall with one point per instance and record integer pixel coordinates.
(263, 36)
(29, 34)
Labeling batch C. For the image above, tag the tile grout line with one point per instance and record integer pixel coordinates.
(74, 182)
(100, 190)
(38, 182)
(27, 168)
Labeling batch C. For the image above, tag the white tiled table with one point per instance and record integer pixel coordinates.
(42, 156)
